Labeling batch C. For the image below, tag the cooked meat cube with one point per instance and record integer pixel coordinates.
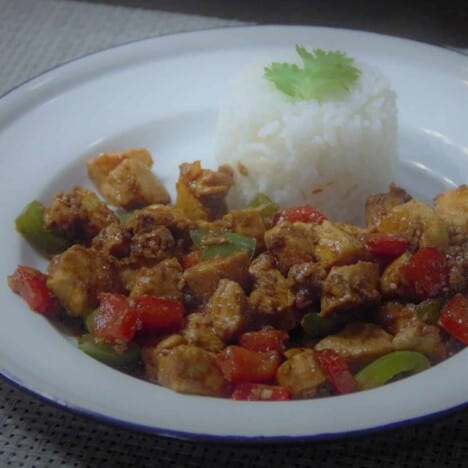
(301, 373)
(201, 192)
(307, 280)
(247, 222)
(78, 216)
(149, 248)
(272, 297)
(452, 207)
(171, 341)
(163, 280)
(354, 231)
(203, 278)
(378, 205)
(336, 247)
(100, 166)
(457, 260)
(419, 222)
(132, 185)
(291, 243)
(78, 275)
(358, 342)
(151, 217)
(199, 331)
(113, 240)
(410, 332)
(185, 369)
(350, 286)
(392, 281)
(228, 310)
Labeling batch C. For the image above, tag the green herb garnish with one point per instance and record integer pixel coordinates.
(324, 74)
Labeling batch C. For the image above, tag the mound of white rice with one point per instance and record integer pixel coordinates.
(330, 154)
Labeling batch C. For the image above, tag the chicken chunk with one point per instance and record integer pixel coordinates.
(291, 243)
(78, 216)
(392, 281)
(350, 286)
(149, 248)
(203, 278)
(409, 332)
(99, 167)
(185, 369)
(419, 222)
(336, 247)
(358, 342)
(272, 297)
(78, 275)
(457, 261)
(113, 240)
(378, 205)
(163, 280)
(306, 279)
(247, 222)
(151, 217)
(228, 310)
(452, 207)
(199, 331)
(125, 179)
(201, 192)
(301, 373)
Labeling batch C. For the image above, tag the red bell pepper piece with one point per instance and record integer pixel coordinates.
(261, 392)
(240, 365)
(336, 370)
(390, 245)
(116, 321)
(303, 213)
(159, 315)
(427, 272)
(454, 318)
(267, 339)
(31, 285)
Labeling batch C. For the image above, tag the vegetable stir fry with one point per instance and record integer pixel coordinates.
(255, 303)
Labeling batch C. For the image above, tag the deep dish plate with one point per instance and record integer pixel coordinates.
(162, 94)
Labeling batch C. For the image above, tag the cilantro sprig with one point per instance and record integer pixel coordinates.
(324, 74)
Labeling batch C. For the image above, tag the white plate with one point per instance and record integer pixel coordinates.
(163, 93)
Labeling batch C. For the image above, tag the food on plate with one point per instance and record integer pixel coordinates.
(257, 283)
(321, 130)
(256, 303)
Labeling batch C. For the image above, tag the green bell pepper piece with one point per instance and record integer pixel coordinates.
(30, 224)
(268, 209)
(226, 244)
(429, 310)
(107, 354)
(387, 367)
(317, 326)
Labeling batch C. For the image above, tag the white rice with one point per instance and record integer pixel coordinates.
(330, 154)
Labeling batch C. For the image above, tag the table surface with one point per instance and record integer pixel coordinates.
(36, 434)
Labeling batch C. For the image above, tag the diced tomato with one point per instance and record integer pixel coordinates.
(454, 318)
(337, 371)
(391, 245)
(191, 259)
(116, 320)
(427, 272)
(31, 285)
(159, 315)
(303, 213)
(240, 365)
(261, 392)
(267, 339)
